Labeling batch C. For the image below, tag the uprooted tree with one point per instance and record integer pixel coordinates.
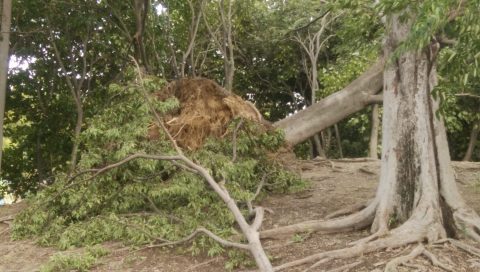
(417, 199)
(140, 187)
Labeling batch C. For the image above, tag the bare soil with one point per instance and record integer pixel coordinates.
(334, 185)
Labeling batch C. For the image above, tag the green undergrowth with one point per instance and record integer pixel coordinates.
(147, 201)
(74, 262)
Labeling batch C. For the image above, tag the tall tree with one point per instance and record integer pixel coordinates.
(417, 198)
(223, 39)
(4, 46)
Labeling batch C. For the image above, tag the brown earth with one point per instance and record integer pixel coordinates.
(334, 185)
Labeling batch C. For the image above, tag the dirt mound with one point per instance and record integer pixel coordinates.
(206, 109)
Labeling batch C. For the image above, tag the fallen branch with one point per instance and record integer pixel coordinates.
(249, 231)
(210, 234)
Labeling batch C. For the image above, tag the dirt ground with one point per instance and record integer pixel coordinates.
(334, 185)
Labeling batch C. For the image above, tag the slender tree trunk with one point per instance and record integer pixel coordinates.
(76, 138)
(374, 133)
(229, 67)
(472, 142)
(4, 46)
(141, 9)
(317, 148)
(339, 141)
(40, 164)
(332, 109)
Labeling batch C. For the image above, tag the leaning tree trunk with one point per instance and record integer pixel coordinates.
(332, 109)
(417, 191)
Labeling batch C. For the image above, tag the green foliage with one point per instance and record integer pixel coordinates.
(76, 262)
(237, 258)
(145, 200)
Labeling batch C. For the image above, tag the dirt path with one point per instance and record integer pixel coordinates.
(334, 185)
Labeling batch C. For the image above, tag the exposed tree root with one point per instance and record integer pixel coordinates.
(469, 222)
(346, 267)
(195, 267)
(5, 231)
(417, 251)
(349, 210)
(356, 221)
(7, 220)
(412, 231)
(467, 248)
(367, 171)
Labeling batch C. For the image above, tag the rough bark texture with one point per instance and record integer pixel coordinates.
(329, 111)
(417, 189)
(141, 8)
(373, 145)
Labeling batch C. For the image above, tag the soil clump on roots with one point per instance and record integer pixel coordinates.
(205, 111)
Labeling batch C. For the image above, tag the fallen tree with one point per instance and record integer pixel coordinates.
(362, 92)
(164, 165)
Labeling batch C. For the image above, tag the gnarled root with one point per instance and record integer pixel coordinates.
(417, 251)
(469, 222)
(410, 232)
(357, 221)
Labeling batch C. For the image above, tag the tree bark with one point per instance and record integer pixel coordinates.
(339, 141)
(76, 138)
(141, 9)
(317, 148)
(472, 142)
(374, 133)
(417, 190)
(332, 109)
(4, 46)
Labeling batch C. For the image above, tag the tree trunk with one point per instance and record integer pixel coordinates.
(317, 148)
(4, 46)
(417, 190)
(76, 137)
(229, 67)
(472, 142)
(339, 141)
(374, 133)
(141, 9)
(332, 109)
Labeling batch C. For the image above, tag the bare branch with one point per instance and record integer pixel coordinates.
(468, 95)
(210, 234)
(311, 22)
(259, 214)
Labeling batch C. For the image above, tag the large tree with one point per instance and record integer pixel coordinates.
(417, 199)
